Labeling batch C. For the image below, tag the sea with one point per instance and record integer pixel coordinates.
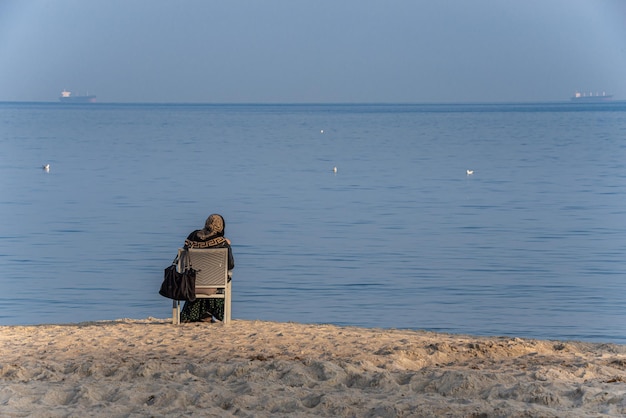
(348, 214)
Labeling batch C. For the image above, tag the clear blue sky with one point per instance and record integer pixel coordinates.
(312, 50)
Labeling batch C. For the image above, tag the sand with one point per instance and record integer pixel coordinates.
(140, 368)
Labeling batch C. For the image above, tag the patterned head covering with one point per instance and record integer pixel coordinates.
(215, 224)
(213, 227)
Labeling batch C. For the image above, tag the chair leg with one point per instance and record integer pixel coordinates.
(227, 303)
(175, 312)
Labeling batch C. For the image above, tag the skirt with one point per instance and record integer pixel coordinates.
(202, 308)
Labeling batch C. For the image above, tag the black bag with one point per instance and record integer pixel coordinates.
(179, 286)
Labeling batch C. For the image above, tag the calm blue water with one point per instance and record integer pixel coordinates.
(532, 244)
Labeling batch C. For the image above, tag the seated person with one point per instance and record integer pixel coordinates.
(211, 236)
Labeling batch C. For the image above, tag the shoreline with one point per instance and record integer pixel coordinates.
(150, 367)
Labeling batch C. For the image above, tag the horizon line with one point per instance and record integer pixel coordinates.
(379, 103)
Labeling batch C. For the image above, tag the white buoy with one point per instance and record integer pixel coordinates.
(334, 169)
(46, 168)
(469, 172)
(322, 131)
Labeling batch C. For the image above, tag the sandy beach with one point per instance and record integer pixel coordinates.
(137, 368)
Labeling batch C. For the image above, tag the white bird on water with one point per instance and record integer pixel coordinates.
(334, 169)
(46, 168)
(469, 172)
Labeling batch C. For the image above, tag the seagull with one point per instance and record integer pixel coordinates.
(46, 168)
(469, 172)
(334, 169)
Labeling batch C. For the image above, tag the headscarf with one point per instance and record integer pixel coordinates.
(212, 235)
(213, 227)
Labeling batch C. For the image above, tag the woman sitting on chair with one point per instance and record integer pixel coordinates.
(211, 236)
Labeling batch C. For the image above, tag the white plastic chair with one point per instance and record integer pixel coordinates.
(213, 280)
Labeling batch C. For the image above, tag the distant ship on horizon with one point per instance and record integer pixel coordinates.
(66, 97)
(587, 98)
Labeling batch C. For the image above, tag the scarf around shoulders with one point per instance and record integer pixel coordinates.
(213, 242)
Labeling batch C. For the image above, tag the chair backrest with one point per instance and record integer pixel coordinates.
(211, 265)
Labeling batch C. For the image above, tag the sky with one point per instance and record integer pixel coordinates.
(312, 51)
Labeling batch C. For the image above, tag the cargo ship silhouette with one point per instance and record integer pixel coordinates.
(591, 98)
(66, 97)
